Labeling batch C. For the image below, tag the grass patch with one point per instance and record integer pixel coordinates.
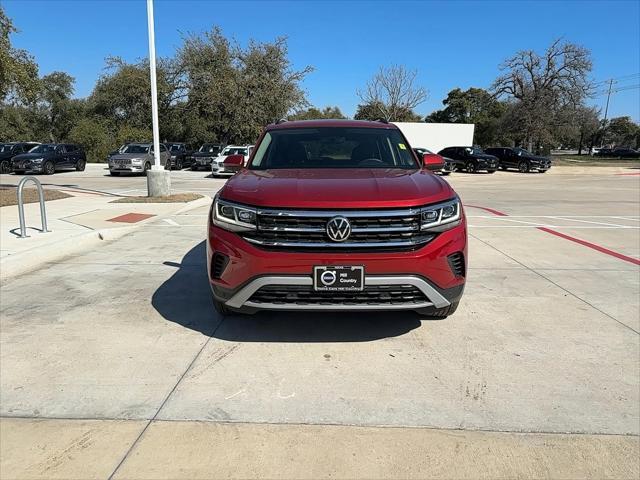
(30, 195)
(593, 161)
(175, 198)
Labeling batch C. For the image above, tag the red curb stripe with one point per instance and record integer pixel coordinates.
(490, 210)
(584, 243)
(591, 245)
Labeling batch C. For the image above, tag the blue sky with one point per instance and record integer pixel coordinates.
(450, 44)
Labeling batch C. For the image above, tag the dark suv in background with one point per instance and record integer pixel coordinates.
(520, 158)
(203, 158)
(49, 158)
(470, 159)
(10, 150)
(181, 155)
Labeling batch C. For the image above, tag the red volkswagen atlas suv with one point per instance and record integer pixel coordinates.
(336, 215)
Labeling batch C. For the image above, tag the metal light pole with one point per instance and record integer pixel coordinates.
(158, 179)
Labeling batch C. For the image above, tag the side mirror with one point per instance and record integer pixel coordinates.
(432, 162)
(234, 163)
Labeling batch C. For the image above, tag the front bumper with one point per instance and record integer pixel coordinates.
(126, 168)
(218, 169)
(27, 167)
(249, 268)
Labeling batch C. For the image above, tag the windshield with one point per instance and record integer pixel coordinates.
(209, 148)
(44, 148)
(176, 147)
(5, 147)
(234, 151)
(333, 147)
(135, 149)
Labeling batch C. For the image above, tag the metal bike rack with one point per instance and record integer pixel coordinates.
(43, 213)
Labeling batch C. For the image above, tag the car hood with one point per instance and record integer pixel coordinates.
(129, 156)
(31, 156)
(336, 188)
(535, 158)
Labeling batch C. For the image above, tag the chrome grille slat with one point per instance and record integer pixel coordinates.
(306, 229)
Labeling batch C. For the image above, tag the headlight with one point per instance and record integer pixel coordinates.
(136, 161)
(233, 217)
(440, 217)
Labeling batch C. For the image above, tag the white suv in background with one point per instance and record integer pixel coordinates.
(217, 166)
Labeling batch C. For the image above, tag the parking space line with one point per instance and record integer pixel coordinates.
(556, 284)
(590, 221)
(579, 241)
(172, 222)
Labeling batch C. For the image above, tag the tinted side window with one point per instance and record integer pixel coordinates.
(163, 148)
(71, 148)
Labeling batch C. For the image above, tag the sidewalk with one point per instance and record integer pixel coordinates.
(138, 449)
(76, 223)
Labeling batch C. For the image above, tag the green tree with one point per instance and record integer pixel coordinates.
(235, 91)
(313, 113)
(18, 70)
(94, 136)
(623, 131)
(476, 106)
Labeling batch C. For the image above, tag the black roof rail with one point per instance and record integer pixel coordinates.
(381, 120)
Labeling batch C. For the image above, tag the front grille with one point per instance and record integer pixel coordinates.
(456, 262)
(380, 229)
(371, 295)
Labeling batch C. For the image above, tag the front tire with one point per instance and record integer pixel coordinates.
(523, 167)
(49, 168)
(5, 167)
(470, 167)
(147, 166)
(80, 166)
(220, 307)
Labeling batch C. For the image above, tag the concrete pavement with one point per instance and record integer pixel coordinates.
(83, 449)
(536, 375)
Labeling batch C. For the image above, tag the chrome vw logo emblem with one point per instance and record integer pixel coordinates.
(338, 229)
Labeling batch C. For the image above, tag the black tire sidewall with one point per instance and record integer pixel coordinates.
(470, 167)
(48, 171)
(526, 169)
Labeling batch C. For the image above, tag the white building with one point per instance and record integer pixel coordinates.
(436, 136)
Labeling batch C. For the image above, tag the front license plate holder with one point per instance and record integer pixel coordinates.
(338, 278)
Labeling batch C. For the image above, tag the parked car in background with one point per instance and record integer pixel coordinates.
(519, 158)
(217, 166)
(49, 158)
(621, 152)
(10, 150)
(336, 215)
(203, 158)
(181, 155)
(115, 152)
(448, 164)
(470, 159)
(137, 158)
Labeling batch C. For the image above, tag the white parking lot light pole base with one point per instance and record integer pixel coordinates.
(158, 182)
